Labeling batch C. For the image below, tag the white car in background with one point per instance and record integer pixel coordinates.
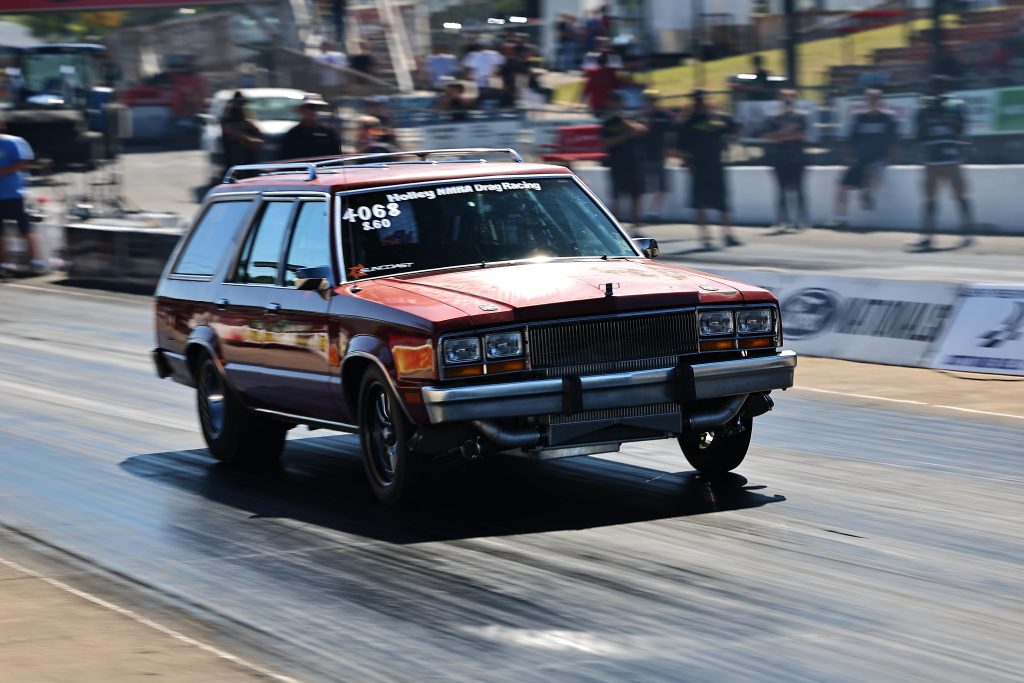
(274, 110)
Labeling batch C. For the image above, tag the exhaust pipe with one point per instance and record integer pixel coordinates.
(709, 419)
(470, 450)
(757, 404)
(507, 438)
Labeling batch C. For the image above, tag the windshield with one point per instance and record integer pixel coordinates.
(460, 223)
(49, 72)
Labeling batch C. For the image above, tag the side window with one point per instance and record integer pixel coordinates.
(211, 238)
(262, 251)
(310, 245)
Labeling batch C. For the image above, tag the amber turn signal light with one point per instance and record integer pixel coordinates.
(718, 345)
(506, 366)
(757, 343)
(464, 371)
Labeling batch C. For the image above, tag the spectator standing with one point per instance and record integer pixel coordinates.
(441, 67)
(453, 100)
(482, 64)
(758, 88)
(603, 46)
(601, 83)
(661, 127)
(310, 138)
(331, 61)
(363, 62)
(624, 140)
(511, 70)
(941, 126)
(377, 107)
(874, 135)
(15, 154)
(565, 43)
(787, 132)
(240, 137)
(703, 138)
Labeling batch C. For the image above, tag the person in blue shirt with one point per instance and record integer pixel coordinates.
(15, 154)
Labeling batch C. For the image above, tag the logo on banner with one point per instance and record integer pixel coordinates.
(809, 312)
(1008, 331)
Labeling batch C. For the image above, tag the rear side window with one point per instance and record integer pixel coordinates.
(211, 238)
(262, 252)
(310, 245)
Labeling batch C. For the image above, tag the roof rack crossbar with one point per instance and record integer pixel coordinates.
(421, 153)
(259, 169)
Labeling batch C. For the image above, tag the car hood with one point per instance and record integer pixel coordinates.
(528, 292)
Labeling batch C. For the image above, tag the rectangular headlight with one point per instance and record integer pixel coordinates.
(465, 350)
(715, 323)
(755, 321)
(503, 345)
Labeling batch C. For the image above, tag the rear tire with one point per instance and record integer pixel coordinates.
(234, 434)
(396, 473)
(715, 452)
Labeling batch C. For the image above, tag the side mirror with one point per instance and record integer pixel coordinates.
(313, 279)
(648, 246)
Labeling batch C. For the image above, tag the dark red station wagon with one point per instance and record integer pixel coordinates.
(453, 302)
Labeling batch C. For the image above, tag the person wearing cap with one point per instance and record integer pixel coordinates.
(787, 131)
(15, 155)
(240, 137)
(874, 135)
(941, 128)
(703, 138)
(310, 138)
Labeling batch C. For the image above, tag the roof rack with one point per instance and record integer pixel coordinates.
(361, 159)
(236, 173)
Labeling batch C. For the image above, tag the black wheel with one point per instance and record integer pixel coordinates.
(719, 450)
(234, 434)
(396, 473)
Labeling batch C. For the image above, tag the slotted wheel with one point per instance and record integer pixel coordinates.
(211, 400)
(383, 444)
(395, 472)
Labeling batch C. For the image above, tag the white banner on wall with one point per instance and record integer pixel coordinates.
(987, 332)
(471, 134)
(876, 321)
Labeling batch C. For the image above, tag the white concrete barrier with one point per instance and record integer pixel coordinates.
(997, 193)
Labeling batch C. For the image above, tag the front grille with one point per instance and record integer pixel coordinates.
(619, 338)
(606, 414)
(609, 367)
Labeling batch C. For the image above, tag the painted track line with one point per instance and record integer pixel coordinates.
(177, 635)
(909, 402)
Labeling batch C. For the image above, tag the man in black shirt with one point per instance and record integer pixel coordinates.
(310, 138)
(661, 127)
(787, 131)
(623, 139)
(874, 136)
(703, 137)
(941, 125)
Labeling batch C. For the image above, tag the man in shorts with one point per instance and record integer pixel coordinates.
(15, 154)
(941, 125)
(872, 144)
(661, 127)
(703, 138)
(787, 131)
(624, 140)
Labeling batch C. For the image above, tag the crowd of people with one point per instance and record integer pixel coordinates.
(639, 142)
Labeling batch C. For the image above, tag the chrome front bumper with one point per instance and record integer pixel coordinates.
(620, 390)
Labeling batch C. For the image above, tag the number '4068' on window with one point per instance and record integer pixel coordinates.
(374, 216)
